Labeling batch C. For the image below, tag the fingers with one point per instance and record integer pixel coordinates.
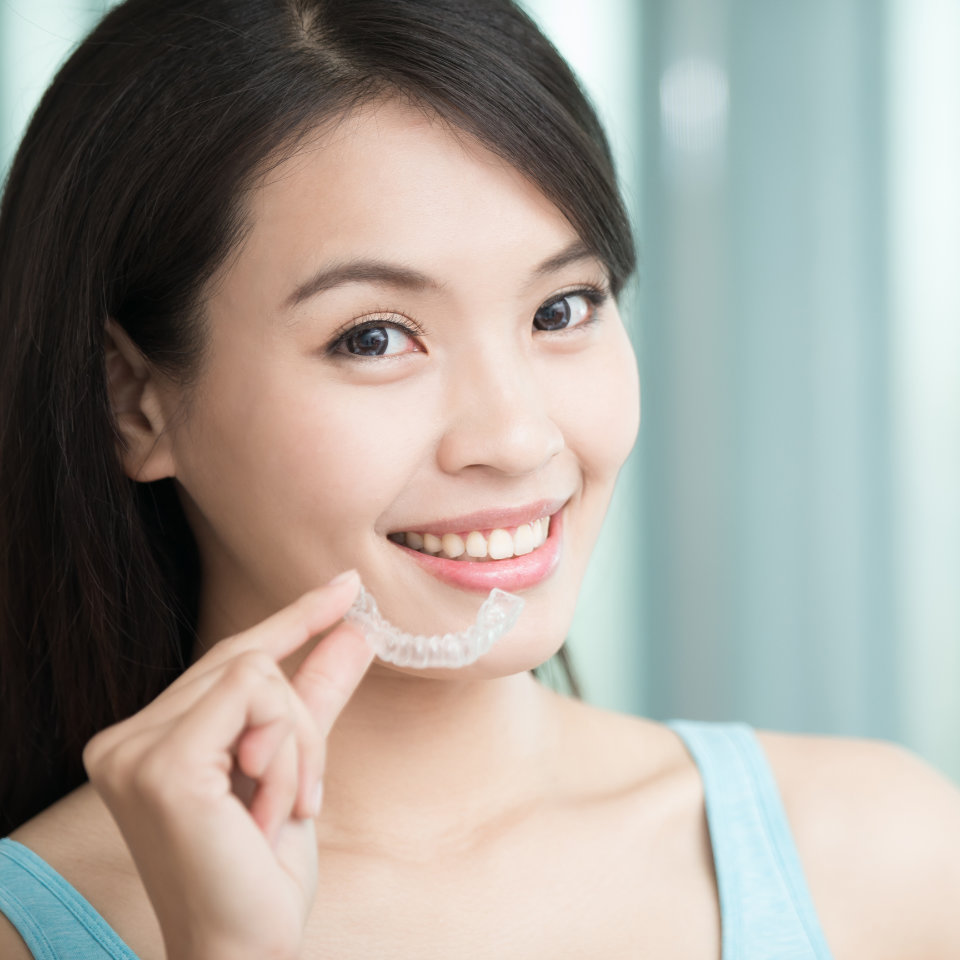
(277, 636)
(290, 628)
(330, 674)
(258, 747)
(250, 695)
(234, 714)
(276, 794)
(322, 686)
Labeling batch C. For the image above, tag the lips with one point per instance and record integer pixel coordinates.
(517, 573)
(480, 546)
(487, 519)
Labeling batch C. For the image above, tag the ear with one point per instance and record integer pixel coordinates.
(145, 447)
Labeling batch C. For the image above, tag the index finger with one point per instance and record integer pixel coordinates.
(290, 628)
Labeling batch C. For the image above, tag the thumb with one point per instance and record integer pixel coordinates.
(331, 672)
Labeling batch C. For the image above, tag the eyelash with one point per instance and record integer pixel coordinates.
(386, 319)
(596, 296)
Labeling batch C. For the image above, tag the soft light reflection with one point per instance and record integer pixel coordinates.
(694, 104)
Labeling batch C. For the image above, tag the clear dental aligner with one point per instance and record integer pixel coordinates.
(497, 614)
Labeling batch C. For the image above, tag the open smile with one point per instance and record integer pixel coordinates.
(509, 557)
(480, 546)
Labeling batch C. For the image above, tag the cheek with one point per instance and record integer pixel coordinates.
(342, 454)
(598, 401)
(293, 451)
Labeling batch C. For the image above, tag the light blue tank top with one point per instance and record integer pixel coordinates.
(766, 910)
(765, 906)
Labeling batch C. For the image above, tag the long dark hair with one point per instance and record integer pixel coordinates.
(125, 196)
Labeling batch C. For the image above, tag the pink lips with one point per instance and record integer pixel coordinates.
(518, 573)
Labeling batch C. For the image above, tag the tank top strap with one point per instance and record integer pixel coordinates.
(54, 920)
(765, 905)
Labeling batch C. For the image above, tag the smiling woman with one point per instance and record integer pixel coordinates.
(296, 294)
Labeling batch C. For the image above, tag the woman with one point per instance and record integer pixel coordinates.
(296, 293)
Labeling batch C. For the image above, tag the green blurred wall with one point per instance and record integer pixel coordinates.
(785, 548)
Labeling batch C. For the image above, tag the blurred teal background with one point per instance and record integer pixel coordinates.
(784, 544)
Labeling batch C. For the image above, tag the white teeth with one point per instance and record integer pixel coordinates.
(500, 545)
(523, 540)
(453, 545)
(415, 541)
(476, 545)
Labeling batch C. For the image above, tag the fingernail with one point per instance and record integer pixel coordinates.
(317, 799)
(343, 577)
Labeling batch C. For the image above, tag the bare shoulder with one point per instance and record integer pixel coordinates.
(620, 749)
(878, 832)
(75, 832)
(44, 835)
(12, 946)
(77, 838)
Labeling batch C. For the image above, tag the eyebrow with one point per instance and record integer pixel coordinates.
(396, 275)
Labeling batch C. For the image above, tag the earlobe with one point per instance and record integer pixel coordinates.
(144, 446)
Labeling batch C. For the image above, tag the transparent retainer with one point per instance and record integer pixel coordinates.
(497, 614)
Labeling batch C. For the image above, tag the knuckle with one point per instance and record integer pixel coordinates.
(94, 751)
(260, 661)
(151, 777)
(326, 689)
(249, 668)
(144, 775)
(113, 764)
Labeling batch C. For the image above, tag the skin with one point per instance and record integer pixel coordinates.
(448, 796)
(484, 414)
(323, 457)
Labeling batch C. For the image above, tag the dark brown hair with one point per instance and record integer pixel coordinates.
(125, 196)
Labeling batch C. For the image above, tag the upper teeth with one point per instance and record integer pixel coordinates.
(476, 545)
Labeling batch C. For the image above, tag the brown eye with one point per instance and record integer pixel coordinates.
(372, 342)
(564, 312)
(373, 339)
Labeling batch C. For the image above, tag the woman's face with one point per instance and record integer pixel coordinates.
(307, 450)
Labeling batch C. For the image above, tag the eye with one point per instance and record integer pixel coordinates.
(571, 310)
(376, 338)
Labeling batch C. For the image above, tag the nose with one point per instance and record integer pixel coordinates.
(498, 416)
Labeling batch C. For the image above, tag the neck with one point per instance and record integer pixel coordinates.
(415, 765)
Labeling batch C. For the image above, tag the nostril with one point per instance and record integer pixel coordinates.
(509, 431)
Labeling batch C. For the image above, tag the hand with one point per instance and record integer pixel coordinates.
(215, 784)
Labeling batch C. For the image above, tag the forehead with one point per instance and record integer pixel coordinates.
(389, 180)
